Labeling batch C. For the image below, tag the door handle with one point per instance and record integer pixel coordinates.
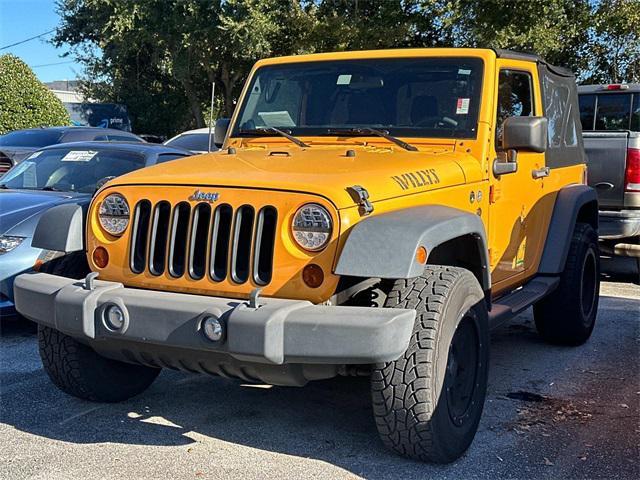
(540, 172)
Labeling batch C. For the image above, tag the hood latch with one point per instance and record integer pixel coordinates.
(361, 197)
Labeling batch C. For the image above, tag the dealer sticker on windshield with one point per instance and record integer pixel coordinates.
(462, 107)
(79, 156)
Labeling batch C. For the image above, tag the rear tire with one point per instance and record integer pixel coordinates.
(79, 371)
(428, 403)
(567, 316)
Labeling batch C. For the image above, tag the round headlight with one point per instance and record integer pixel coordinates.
(114, 214)
(311, 227)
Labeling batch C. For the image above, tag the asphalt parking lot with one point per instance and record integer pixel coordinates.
(551, 412)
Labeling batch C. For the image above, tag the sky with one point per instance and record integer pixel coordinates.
(21, 19)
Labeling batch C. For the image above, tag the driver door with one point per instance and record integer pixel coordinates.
(515, 240)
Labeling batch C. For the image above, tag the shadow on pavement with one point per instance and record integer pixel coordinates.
(330, 420)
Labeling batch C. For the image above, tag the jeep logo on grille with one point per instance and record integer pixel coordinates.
(199, 195)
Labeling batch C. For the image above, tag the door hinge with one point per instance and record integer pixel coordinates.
(361, 197)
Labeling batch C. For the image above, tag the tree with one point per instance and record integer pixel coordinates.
(614, 44)
(24, 101)
(159, 57)
(151, 50)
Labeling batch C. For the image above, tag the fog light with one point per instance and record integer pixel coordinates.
(212, 329)
(101, 257)
(114, 318)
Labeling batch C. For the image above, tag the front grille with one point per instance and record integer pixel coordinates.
(203, 241)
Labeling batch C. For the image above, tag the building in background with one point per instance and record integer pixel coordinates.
(87, 113)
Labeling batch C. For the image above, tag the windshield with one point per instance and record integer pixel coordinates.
(193, 141)
(30, 138)
(414, 97)
(70, 170)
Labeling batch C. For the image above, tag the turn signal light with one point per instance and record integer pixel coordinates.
(421, 255)
(312, 275)
(101, 257)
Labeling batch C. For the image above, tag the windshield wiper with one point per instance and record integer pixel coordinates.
(277, 131)
(4, 186)
(50, 189)
(372, 131)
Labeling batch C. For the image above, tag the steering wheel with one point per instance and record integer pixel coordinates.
(447, 122)
(435, 122)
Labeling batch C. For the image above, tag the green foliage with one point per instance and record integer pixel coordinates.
(614, 53)
(24, 101)
(159, 57)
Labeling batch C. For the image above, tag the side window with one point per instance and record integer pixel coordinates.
(167, 157)
(515, 98)
(635, 113)
(587, 111)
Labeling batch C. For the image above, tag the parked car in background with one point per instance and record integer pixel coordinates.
(195, 140)
(610, 117)
(56, 175)
(16, 145)
(152, 138)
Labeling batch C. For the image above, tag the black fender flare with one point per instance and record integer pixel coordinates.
(574, 203)
(61, 228)
(385, 245)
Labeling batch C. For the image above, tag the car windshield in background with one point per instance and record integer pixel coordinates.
(610, 111)
(198, 142)
(413, 97)
(70, 170)
(30, 138)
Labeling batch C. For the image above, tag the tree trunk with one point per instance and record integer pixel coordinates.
(194, 104)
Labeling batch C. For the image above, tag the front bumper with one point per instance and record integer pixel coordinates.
(166, 324)
(619, 224)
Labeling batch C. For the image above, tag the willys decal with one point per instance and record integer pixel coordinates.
(416, 179)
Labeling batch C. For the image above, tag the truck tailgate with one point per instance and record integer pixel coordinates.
(606, 160)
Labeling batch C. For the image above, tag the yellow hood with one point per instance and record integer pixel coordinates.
(326, 170)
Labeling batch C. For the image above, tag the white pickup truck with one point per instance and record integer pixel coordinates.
(610, 116)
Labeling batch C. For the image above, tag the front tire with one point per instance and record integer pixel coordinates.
(428, 403)
(78, 370)
(568, 315)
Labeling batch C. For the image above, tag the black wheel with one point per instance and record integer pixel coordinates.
(72, 265)
(567, 316)
(79, 371)
(428, 403)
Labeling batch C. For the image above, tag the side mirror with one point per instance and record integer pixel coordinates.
(220, 131)
(521, 134)
(525, 133)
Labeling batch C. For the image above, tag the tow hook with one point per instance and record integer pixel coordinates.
(254, 298)
(89, 280)
(360, 195)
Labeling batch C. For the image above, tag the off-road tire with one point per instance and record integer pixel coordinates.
(79, 371)
(411, 394)
(567, 316)
(73, 265)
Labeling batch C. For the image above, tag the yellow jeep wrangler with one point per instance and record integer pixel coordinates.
(369, 213)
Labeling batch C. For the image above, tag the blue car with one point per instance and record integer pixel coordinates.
(55, 175)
